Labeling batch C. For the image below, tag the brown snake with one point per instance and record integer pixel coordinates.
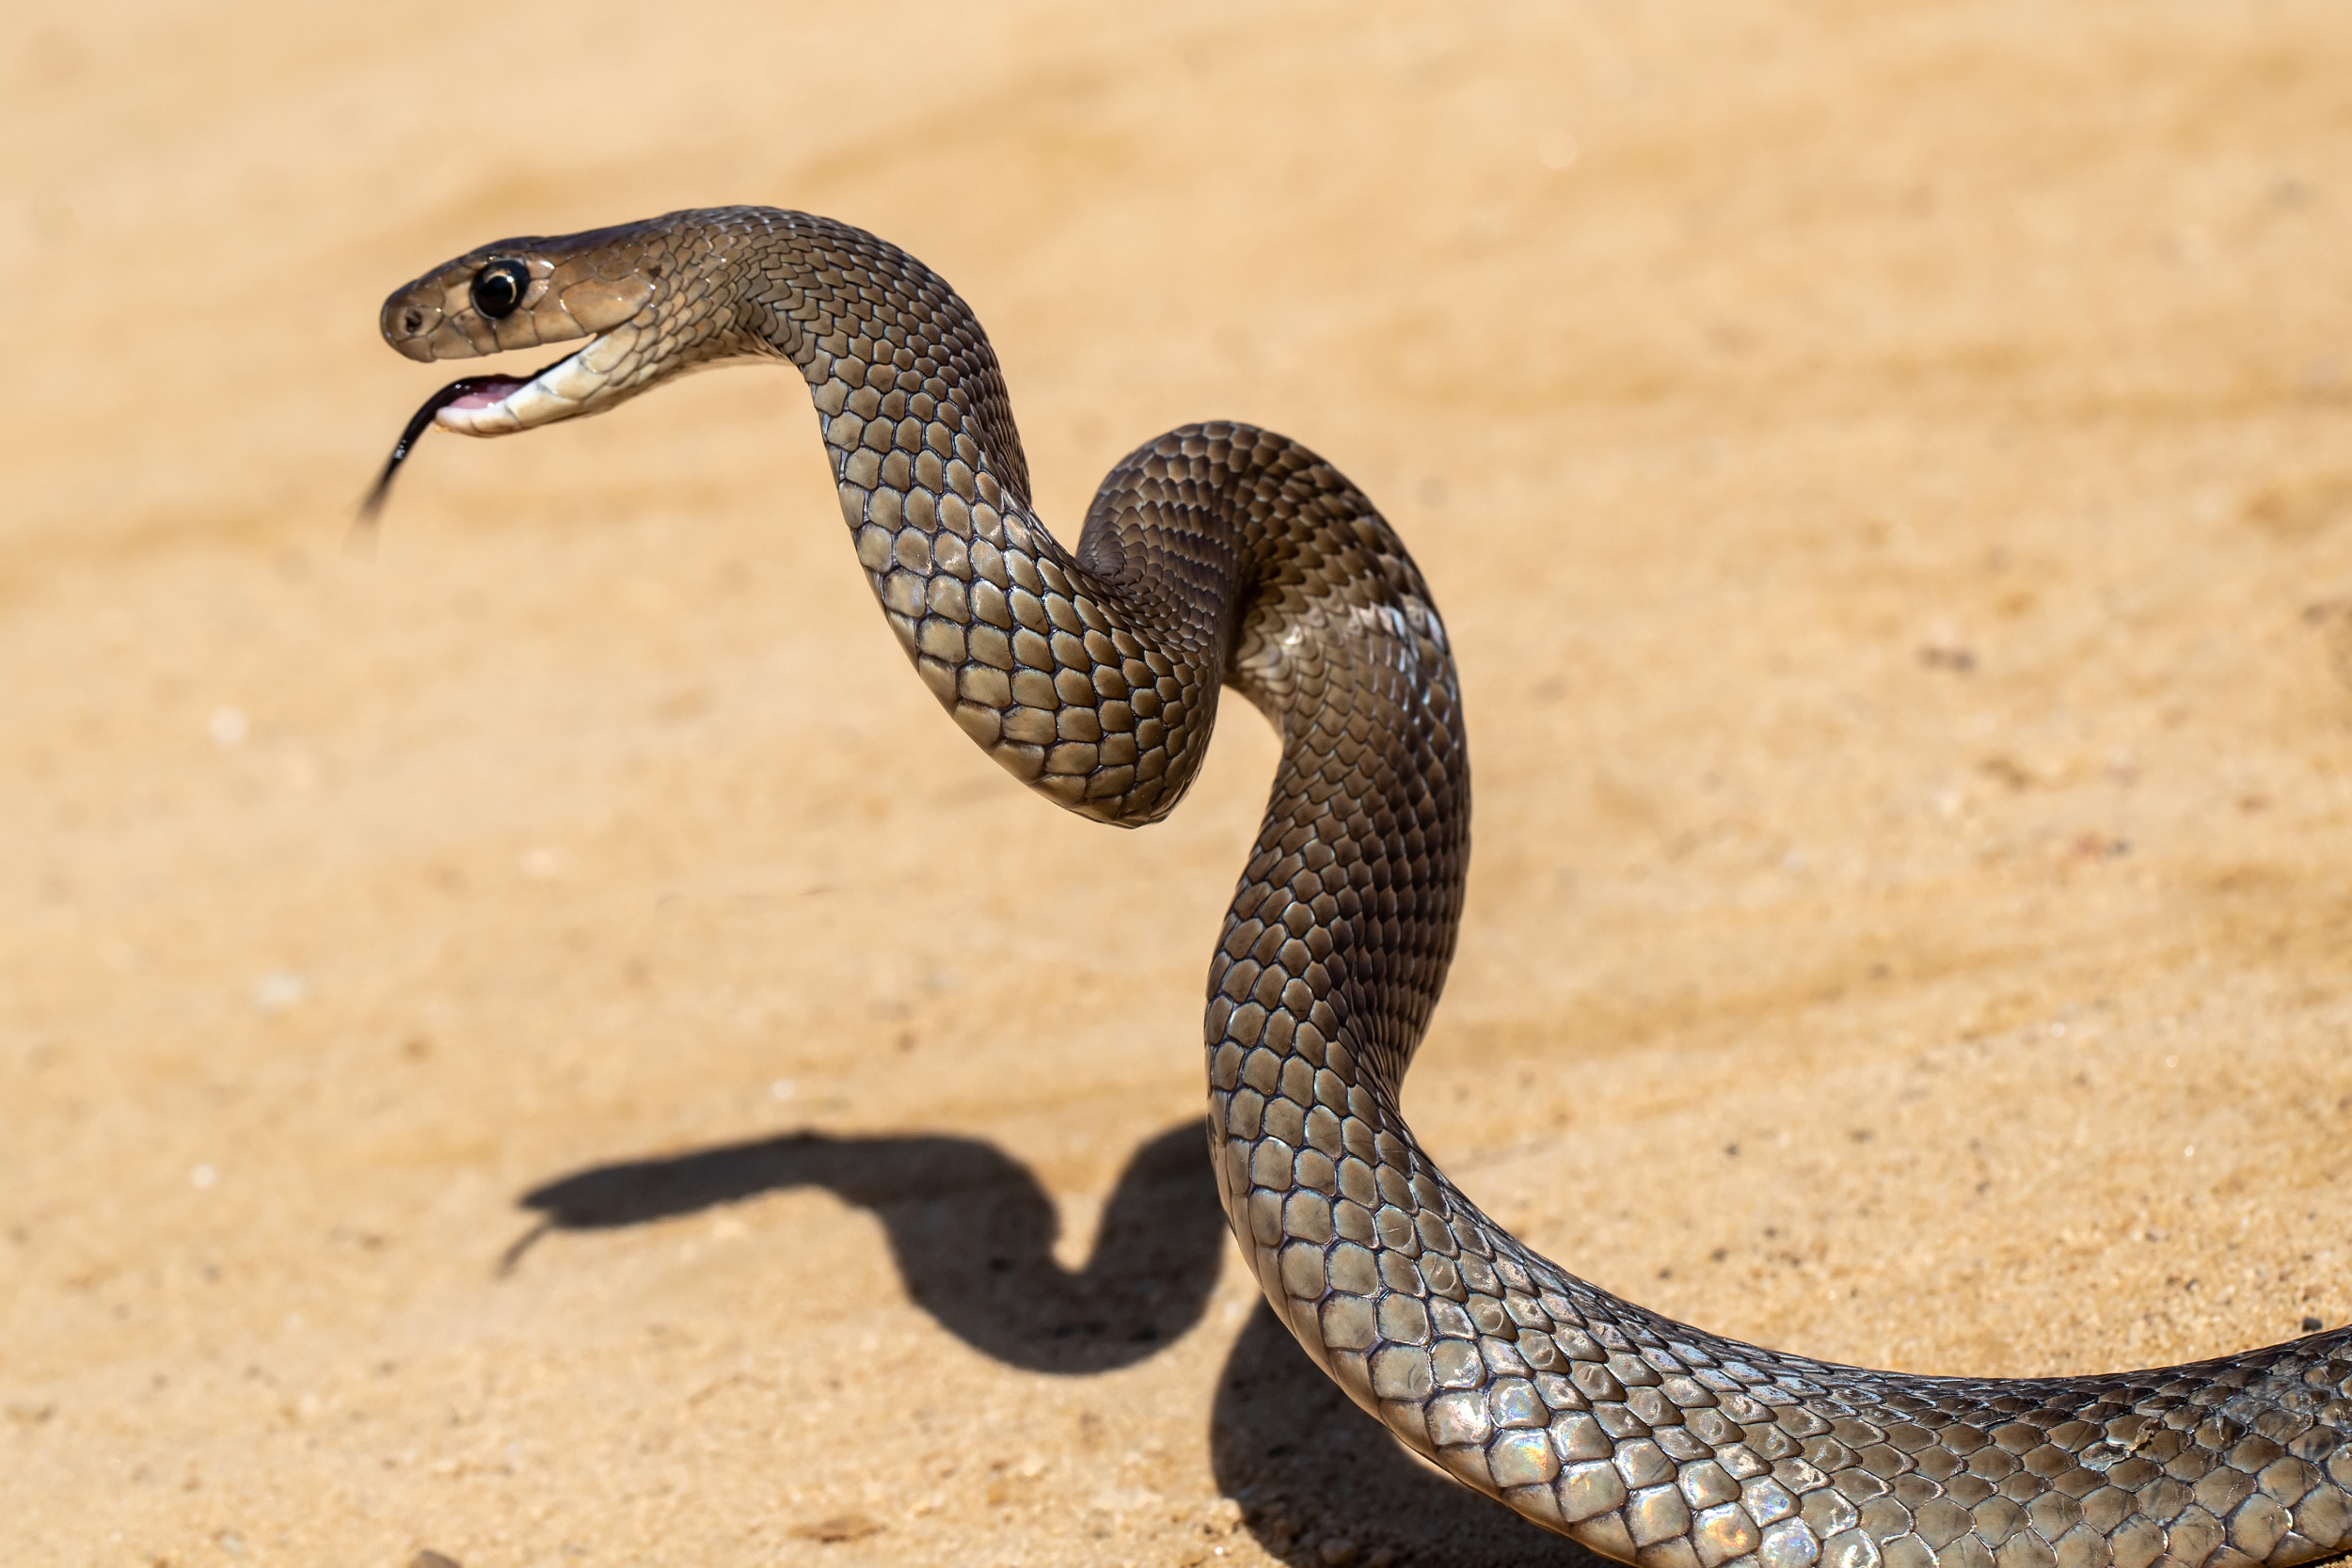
(1221, 554)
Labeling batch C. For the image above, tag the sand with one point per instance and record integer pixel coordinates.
(537, 1043)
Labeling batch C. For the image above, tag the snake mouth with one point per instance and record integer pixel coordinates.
(491, 405)
(504, 405)
(485, 392)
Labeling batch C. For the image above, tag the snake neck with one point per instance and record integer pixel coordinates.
(1217, 553)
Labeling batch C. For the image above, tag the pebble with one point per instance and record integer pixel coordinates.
(841, 1527)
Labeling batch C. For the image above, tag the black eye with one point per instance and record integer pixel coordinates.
(499, 288)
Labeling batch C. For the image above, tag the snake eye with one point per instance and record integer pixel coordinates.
(499, 288)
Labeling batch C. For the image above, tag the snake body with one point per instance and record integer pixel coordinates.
(1220, 554)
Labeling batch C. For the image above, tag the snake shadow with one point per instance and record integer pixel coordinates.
(1310, 1469)
(971, 1229)
(971, 1232)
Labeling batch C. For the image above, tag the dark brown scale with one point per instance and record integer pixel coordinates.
(1219, 555)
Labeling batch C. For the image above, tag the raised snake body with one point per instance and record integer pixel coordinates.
(1220, 553)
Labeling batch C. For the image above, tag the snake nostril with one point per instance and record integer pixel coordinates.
(413, 321)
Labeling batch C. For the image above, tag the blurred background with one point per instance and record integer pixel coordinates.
(534, 1042)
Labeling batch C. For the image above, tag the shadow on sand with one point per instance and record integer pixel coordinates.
(971, 1232)
(970, 1227)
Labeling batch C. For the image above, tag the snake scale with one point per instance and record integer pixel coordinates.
(1222, 554)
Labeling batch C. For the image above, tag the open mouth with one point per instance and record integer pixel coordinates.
(484, 392)
(489, 405)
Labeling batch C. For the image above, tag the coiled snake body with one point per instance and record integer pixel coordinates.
(1221, 554)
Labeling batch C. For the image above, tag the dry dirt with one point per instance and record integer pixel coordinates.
(539, 1043)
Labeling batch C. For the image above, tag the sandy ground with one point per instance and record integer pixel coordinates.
(539, 1043)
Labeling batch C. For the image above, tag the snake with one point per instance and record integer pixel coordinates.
(1223, 555)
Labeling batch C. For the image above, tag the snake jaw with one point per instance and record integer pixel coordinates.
(583, 381)
(580, 383)
(577, 384)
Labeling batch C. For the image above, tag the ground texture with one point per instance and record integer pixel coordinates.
(538, 1043)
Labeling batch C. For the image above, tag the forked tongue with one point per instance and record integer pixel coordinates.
(472, 391)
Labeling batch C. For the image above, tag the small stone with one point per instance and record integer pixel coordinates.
(1338, 1551)
(432, 1560)
(841, 1527)
(2313, 1326)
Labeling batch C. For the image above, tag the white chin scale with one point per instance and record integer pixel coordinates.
(563, 389)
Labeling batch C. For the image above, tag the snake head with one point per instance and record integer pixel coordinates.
(642, 295)
(611, 286)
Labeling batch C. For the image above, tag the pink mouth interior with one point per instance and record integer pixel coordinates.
(490, 391)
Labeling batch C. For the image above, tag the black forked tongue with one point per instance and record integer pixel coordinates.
(418, 425)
